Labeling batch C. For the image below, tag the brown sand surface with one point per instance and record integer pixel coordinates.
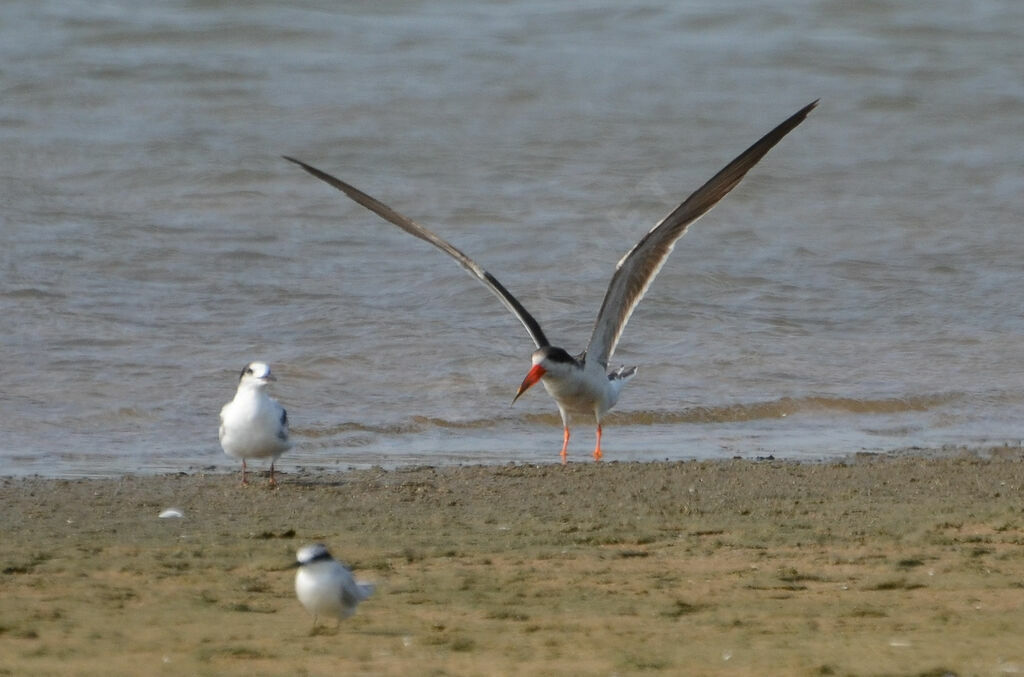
(877, 565)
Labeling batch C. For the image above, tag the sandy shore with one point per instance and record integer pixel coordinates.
(894, 565)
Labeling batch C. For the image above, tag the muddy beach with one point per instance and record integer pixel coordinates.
(904, 564)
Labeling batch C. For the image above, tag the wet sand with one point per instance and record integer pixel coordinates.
(904, 564)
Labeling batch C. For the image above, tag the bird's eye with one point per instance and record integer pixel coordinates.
(248, 370)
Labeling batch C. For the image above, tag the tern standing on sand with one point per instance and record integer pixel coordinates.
(325, 586)
(582, 384)
(254, 424)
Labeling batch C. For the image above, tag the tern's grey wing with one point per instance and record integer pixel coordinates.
(350, 597)
(413, 228)
(638, 268)
(352, 592)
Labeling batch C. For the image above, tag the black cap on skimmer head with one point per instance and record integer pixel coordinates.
(544, 360)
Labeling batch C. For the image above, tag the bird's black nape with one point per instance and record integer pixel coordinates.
(556, 354)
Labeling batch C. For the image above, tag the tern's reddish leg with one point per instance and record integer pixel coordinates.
(244, 481)
(597, 449)
(565, 444)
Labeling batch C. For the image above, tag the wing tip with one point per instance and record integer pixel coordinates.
(806, 110)
(300, 163)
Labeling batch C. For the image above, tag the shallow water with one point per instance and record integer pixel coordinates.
(860, 290)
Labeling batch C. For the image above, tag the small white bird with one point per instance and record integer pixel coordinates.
(325, 586)
(254, 425)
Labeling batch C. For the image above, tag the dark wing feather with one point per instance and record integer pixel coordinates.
(413, 228)
(348, 598)
(638, 268)
(283, 432)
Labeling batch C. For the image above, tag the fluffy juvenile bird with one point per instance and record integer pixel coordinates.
(254, 424)
(325, 586)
